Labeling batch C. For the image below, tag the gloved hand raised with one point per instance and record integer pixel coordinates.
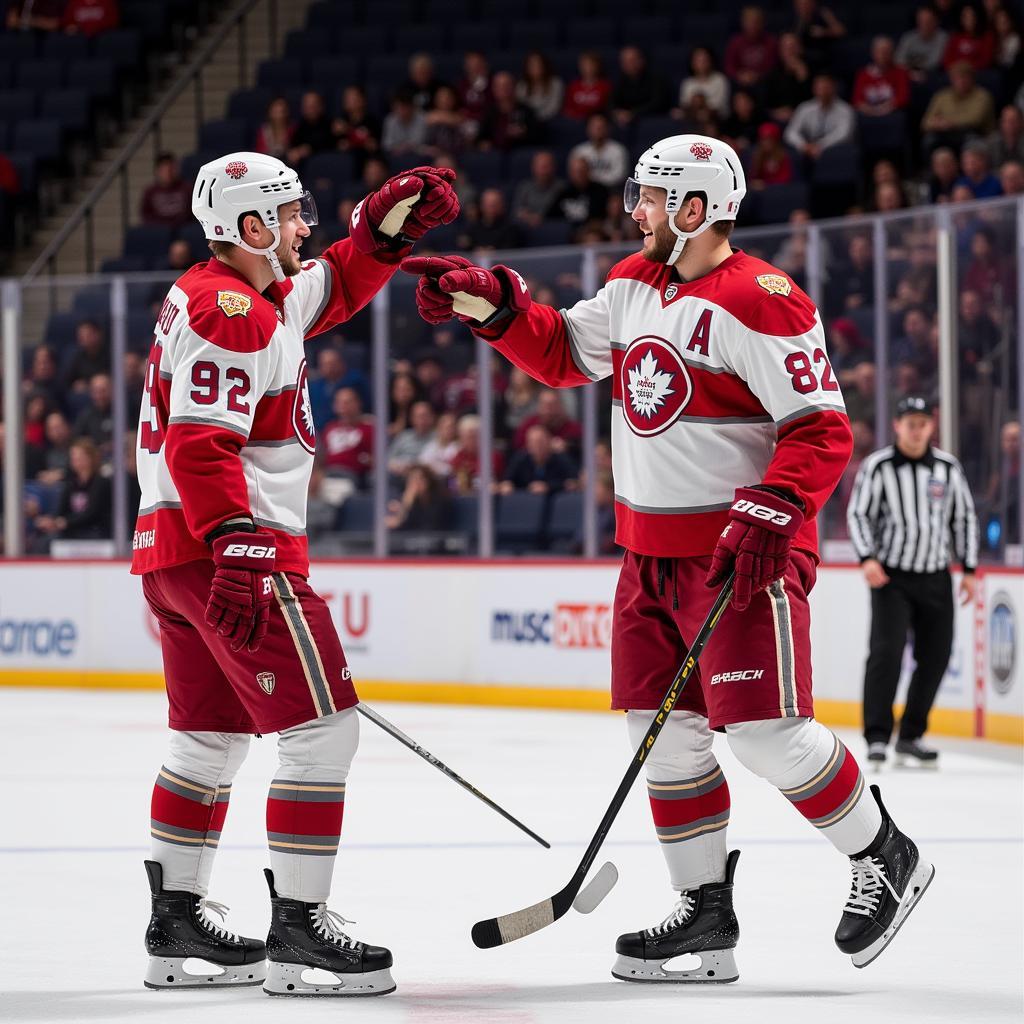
(758, 539)
(404, 209)
(451, 286)
(240, 592)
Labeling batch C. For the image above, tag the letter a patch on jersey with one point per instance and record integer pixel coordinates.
(774, 284)
(234, 303)
(701, 334)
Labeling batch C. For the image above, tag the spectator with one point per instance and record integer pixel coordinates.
(888, 197)
(331, 374)
(538, 468)
(698, 118)
(821, 122)
(96, 420)
(134, 384)
(448, 130)
(90, 17)
(915, 344)
(277, 133)
(38, 15)
(853, 285)
(860, 393)
(1011, 178)
(972, 43)
(424, 505)
(978, 335)
(1001, 502)
(441, 449)
(882, 87)
(618, 226)
(179, 256)
(34, 437)
(405, 128)
(314, 132)
(474, 87)
(581, 200)
(464, 188)
(1007, 39)
(520, 398)
(466, 460)
(168, 200)
(58, 448)
(89, 357)
(788, 84)
(429, 373)
(945, 169)
(607, 159)
(356, 129)
(493, 229)
(422, 84)
(751, 53)
(508, 123)
(407, 446)
(922, 48)
(741, 127)
(42, 377)
(639, 91)
(84, 508)
(1007, 141)
(348, 439)
(818, 29)
(540, 88)
(989, 273)
(847, 347)
(591, 91)
(770, 163)
(566, 433)
(402, 396)
(705, 80)
(536, 196)
(976, 174)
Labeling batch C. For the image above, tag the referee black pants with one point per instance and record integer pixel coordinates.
(923, 602)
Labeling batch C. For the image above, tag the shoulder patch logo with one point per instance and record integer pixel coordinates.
(266, 681)
(774, 284)
(234, 303)
(236, 169)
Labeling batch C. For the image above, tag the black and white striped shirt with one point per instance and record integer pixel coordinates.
(913, 514)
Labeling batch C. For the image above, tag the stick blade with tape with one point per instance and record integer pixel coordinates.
(590, 897)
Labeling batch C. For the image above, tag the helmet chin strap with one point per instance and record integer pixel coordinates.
(270, 252)
(682, 237)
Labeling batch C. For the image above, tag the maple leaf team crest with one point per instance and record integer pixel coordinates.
(302, 412)
(701, 150)
(655, 385)
(236, 169)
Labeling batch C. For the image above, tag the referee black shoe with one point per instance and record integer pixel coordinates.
(915, 752)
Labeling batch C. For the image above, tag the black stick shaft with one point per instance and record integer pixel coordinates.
(393, 730)
(669, 702)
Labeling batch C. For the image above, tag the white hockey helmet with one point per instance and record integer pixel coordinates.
(239, 183)
(682, 164)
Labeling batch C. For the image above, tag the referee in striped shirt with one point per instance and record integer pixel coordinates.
(910, 508)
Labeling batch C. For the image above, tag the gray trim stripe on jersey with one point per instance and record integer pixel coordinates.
(807, 410)
(280, 527)
(274, 392)
(328, 287)
(208, 422)
(721, 506)
(725, 420)
(272, 444)
(574, 349)
(305, 645)
(784, 648)
(159, 505)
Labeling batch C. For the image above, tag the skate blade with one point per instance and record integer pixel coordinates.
(299, 980)
(194, 972)
(913, 764)
(920, 879)
(717, 966)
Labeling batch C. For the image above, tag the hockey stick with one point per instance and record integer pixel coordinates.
(393, 730)
(497, 931)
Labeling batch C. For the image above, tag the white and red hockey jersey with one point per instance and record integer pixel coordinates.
(717, 383)
(226, 428)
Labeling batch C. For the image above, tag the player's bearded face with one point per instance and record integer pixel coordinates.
(652, 219)
(293, 231)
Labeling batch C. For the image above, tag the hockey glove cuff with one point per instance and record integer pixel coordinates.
(240, 592)
(757, 541)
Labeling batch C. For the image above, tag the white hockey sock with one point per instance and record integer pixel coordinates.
(306, 804)
(689, 796)
(189, 804)
(815, 772)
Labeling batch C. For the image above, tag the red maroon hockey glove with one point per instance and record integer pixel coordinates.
(757, 541)
(452, 286)
(239, 605)
(404, 209)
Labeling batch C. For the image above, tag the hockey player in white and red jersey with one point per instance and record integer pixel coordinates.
(225, 451)
(729, 433)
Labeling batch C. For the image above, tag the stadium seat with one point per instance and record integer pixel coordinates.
(301, 44)
(332, 169)
(356, 515)
(250, 105)
(96, 75)
(39, 75)
(519, 521)
(17, 46)
(777, 202)
(60, 329)
(533, 35)
(62, 47)
(585, 35)
(71, 107)
(550, 233)
(837, 165)
(231, 134)
(466, 515)
(39, 136)
(331, 73)
(358, 40)
(565, 517)
(147, 241)
(483, 167)
(408, 38)
(122, 47)
(16, 104)
(123, 265)
(280, 74)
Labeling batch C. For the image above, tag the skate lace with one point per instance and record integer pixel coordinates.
(869, 882)
(680, 915)
(327, 924)
(222, 912)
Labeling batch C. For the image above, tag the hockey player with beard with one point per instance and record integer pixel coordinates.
(729, 432)
(225, 451)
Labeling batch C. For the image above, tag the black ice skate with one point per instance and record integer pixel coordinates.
(703, 923)
(180, 931)
(889, 878)
(876, 755)
(306, 940)
(914, 752)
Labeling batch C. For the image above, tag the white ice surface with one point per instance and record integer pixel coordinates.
(422, 860)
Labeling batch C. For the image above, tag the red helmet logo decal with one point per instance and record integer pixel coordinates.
(701, 150)
(237, 169)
